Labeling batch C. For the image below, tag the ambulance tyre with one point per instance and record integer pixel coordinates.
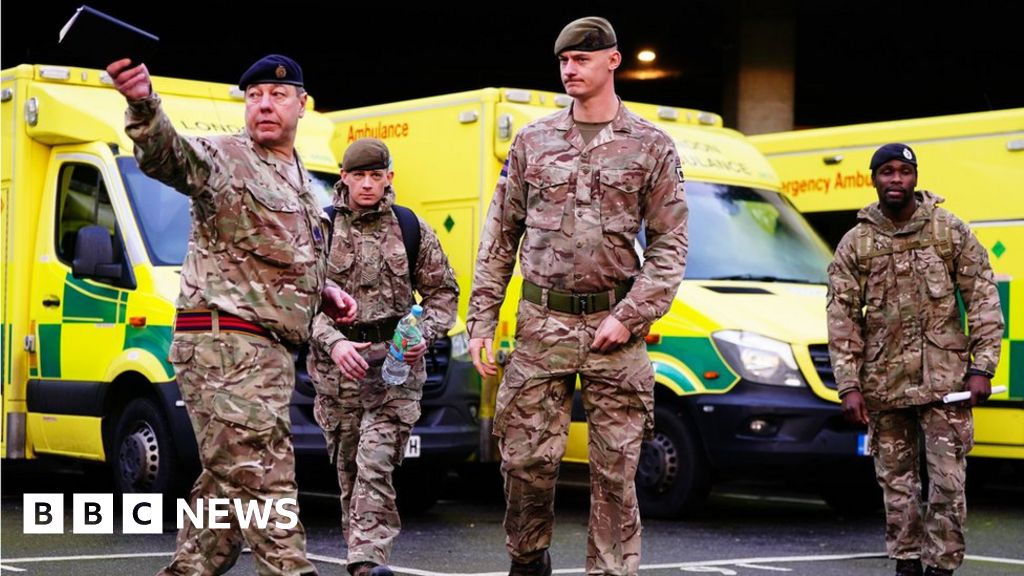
(673, 475)
(142, 454)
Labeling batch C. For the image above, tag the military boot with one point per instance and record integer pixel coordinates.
(933, 571)
(369, 569)
(910, 567)
(539, 567)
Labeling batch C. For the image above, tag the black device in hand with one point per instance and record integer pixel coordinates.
(94, 39)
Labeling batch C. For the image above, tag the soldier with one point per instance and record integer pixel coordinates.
(380, 253)
(250, 285)
(576, 187)
(903, 264)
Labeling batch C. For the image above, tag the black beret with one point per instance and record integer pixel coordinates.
(366, 154)
(586, 35)
(894, 151)
(272, 69)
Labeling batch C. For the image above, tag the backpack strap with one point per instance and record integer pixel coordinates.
(410, 226)
(864, 246)
(942, 237)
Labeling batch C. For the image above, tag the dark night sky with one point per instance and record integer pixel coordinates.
(855, 61)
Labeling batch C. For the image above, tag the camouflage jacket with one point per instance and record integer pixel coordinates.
(368, 260)
(578, 208)
(257, 246)
(895, 331)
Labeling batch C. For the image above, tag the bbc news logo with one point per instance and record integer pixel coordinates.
(143, 513)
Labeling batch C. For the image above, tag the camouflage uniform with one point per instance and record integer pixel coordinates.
(367, 423)
(905, 352)
(578, 207)
(256, 251)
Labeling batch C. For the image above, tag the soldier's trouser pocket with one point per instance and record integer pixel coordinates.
(406, 415)
(511, 385)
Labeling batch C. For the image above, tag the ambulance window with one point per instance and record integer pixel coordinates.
(82, 200)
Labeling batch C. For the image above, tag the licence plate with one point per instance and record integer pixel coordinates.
(412, 447)
(862, 444)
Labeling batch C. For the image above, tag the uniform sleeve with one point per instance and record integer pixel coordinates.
(435, 281)
(185, 164)
(325, 333)
(499, 243)
(665, 214)
(845, 316)
(976, 282)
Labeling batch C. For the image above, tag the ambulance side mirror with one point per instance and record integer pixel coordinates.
(94, 254)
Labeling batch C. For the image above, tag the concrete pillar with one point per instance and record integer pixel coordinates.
(764, 88)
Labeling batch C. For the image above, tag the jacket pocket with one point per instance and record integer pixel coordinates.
(546, 196)
(620, 204)
(268, 227)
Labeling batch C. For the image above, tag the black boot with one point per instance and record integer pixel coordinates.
(369, 569)
(911, 567)
(539, 567)
(933, 571)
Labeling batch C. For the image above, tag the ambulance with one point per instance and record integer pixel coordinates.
(92, 251)
(976, 162)
(741, 362)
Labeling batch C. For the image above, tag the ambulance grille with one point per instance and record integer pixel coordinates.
(823, 364)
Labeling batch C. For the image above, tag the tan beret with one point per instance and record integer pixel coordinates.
(586, 35)
(366, 154)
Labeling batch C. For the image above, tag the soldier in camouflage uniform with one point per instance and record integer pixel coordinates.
(250, 285)
(365, 421)
(903, 265)
(576, 187)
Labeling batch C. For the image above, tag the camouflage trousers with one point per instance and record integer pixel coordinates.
(366, 426)
(932, 530)
(532, 418)
(237, 389)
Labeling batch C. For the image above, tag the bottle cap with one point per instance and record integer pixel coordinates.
(417, 310)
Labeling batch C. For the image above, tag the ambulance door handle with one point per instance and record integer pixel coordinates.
(51, 301)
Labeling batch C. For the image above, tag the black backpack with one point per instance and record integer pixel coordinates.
(410, 226)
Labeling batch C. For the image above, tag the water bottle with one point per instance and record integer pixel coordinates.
(407, 334)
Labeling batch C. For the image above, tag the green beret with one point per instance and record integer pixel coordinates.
(366, 154)
(586, 35)
(272, 69)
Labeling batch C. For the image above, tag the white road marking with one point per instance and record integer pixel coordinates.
(89, 557)
(713, 566)
(1012, 561)
(771, 568)
(785, 499)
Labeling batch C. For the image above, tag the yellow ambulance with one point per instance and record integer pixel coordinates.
(741, 361)
(976, 162)
(85, 333)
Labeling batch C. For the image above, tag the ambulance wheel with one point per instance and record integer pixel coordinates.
(142, 455)
(672, 477)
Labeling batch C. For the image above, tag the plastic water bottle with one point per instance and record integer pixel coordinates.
(395, 371)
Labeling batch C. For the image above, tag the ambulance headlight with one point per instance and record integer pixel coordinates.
(758, 358)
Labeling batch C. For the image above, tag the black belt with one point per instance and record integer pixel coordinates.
(377, 332)
(575, 303)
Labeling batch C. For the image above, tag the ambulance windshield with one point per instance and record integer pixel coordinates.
(163, 213)
(739, 233)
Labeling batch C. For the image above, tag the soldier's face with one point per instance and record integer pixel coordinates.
(587, 73)
(366, 187)
(895, 182)
(272, 113)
